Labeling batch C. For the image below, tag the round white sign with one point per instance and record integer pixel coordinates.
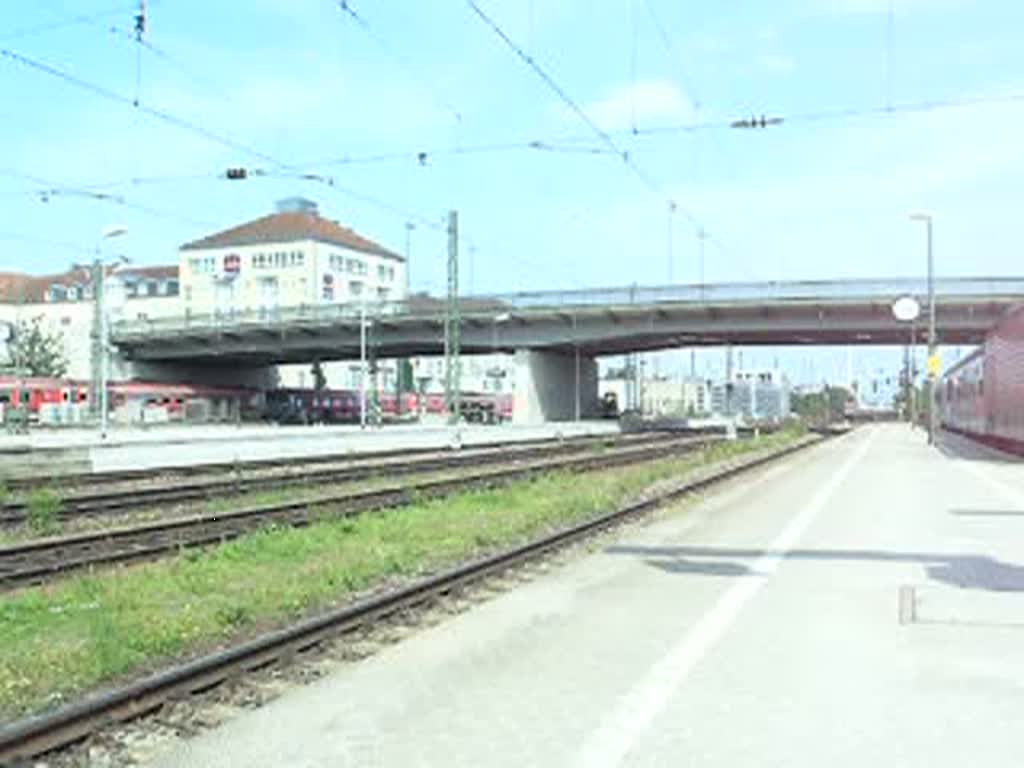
(906, 309)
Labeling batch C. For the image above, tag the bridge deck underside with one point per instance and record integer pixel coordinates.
(596, 331)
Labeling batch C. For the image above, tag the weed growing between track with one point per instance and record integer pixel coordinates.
(72, 635)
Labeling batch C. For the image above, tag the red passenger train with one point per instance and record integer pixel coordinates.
(61, 401)
(982, 397)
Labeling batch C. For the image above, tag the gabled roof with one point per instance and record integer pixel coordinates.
(18, 287)
(290, 227)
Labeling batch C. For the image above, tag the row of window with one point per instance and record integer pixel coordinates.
(340, 263)
(202, 265)
(132, 289)
(278, 259)
(355, 288)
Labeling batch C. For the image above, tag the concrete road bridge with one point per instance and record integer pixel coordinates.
(552, 331)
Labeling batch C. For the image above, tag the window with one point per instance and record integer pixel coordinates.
(151, 287)
(173, 287)
(355, 288)
(188, 293)
(56, 293)
(356, 266)
(382, 272)
(382, 294)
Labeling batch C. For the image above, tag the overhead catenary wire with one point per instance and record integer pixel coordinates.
(154, 112)
(347, 7)
(672, 51)
(552, 84)
(198, 130)
(80, 19)
(48, 189)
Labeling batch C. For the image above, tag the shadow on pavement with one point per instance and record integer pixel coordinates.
(958, 447)
(980, 572)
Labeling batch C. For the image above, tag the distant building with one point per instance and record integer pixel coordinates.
(64, 304)
(290, 258)
(755, 395)
(667, 396)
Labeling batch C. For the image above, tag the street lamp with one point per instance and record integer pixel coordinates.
(933, 363)
(362, 357)
(101, 331)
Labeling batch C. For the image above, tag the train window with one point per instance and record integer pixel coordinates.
(65, 396)
(5, 396)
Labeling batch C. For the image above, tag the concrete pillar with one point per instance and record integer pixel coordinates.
(546, 387)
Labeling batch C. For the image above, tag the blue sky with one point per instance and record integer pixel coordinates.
(302, 83)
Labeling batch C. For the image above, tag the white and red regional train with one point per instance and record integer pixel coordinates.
(982, 396)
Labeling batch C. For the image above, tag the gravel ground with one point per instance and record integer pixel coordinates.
(136, 742)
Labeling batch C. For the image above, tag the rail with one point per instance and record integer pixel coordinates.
(37, 735)
(41, 560)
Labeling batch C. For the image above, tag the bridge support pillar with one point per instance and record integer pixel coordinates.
(547, 384)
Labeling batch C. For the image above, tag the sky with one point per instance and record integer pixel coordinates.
(293, 87)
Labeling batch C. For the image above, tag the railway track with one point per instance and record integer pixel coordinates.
(35, 736)
(92, 479)
(333, 470)
(41, 560)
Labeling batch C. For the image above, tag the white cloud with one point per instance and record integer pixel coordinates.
(644, 102)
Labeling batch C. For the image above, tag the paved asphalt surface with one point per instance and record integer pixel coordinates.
(861, 604)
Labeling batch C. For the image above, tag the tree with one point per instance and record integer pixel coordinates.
(319, 378)
(36, 351)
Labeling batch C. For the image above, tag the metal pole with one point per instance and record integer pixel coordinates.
(104, 360)
(931, 336)
(362, 359)
(453, 383)
(576, 349)
(97, 335)
(913, 374)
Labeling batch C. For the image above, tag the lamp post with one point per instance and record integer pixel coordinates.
(932, 361)
(101, 330)
(906, 310)
(362, 358)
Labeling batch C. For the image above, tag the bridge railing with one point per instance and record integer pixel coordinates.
(433, 308)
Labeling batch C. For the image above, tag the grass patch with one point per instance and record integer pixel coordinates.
(42, 511)
(73, 635)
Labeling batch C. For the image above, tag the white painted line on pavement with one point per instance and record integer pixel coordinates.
(619, 731)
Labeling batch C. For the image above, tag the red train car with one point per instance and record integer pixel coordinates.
(982, 397)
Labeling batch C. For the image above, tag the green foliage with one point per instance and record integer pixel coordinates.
(37, 351)
(319, 378)
(821, 407)
(73, 635)
(404, 379)
(5, 492)
(42, 510)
